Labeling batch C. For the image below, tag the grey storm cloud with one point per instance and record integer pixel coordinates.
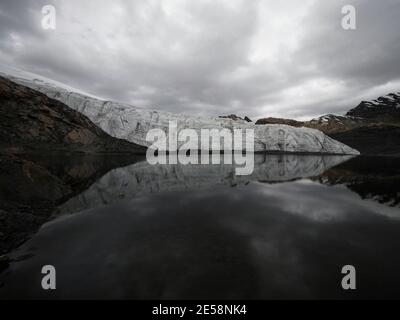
(257, 58)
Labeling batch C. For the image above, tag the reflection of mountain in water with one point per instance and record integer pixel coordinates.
(375, 178)
(260, 241)
(142, 178)
(31, 187)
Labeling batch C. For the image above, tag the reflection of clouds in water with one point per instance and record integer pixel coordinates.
(309, 199)
(290, 246)
(243, 242)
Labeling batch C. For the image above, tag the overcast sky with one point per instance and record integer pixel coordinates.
(258, 58)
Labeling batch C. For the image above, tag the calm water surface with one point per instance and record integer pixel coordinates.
(190, 232)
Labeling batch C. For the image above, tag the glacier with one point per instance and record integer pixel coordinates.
(132, 123)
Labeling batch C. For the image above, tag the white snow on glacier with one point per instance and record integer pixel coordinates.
(132, 123)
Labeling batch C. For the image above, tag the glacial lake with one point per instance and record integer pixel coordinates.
(200, 232)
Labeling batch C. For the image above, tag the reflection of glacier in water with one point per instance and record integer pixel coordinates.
(257, 241)
(208, 240)
(143, 178)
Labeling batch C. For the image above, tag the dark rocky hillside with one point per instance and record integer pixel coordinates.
(372, 127)
(36, 134)
(383, 109)
(272, 120)
(32, 122)
(373, 139)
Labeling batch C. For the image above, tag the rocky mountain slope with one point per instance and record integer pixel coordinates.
(33, 129)
(132, 123)
(384, 109)
(372, 127)
(331, 124)
(235, 117)
(289, 122)
(32, 122)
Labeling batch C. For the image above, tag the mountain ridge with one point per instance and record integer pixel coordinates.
(132, 123)
(372, 127)
(32, 122)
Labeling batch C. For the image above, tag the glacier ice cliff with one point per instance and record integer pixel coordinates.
(132, 123)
